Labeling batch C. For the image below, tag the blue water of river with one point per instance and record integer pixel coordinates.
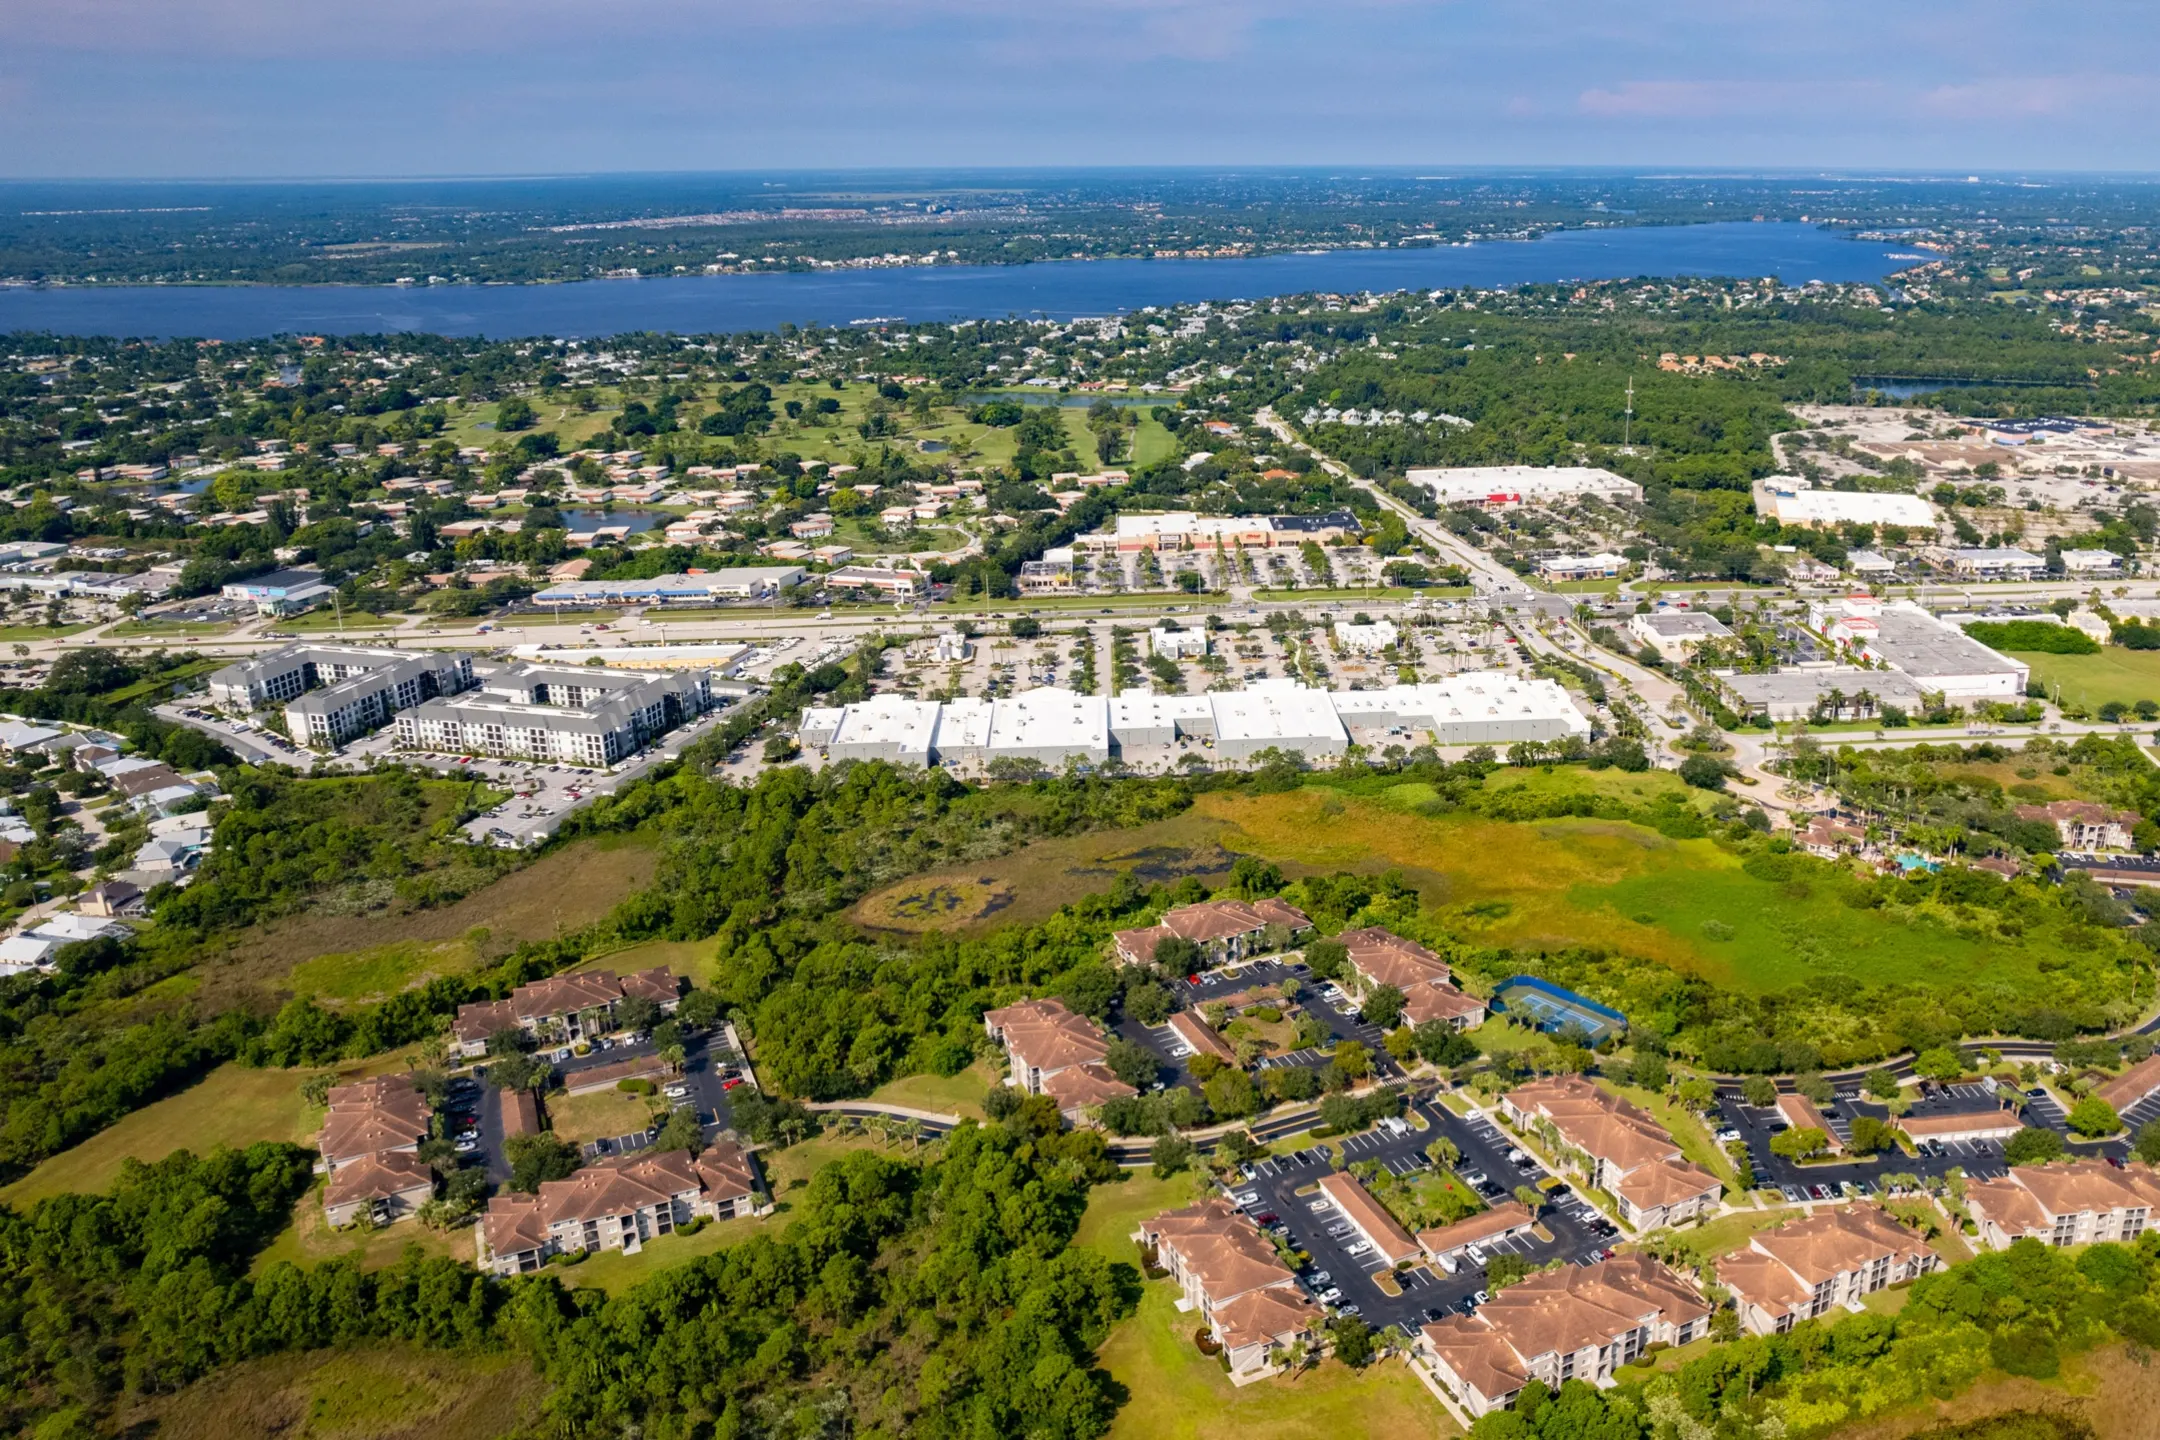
(710, 304)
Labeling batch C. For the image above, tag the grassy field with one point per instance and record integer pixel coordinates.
(1696, 1144)
(1732, 1232)
(42, 632)
(166, 630)
(693, 958)
(1115, 1211)
(1176, 1393)
(317, 621)
(383, 969)
(232, 1105)
(2124, 676)
(366, 1392)
(960, 1094)
(598, 1114)
(309, 1240)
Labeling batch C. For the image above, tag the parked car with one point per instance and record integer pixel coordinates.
(1268, 1218)
(1330, 1295)
(1321, 1277)
(1358, 1249)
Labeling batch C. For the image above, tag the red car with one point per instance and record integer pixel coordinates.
(731, 1084)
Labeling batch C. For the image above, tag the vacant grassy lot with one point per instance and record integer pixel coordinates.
(373, 1392)
(598, 1114)
(1176, 1393)
(309, 1240)
(232, 1105)
(383, 970)
(2124, 676)
(1114, 1211)
(960, 1094)
(2114, 1390)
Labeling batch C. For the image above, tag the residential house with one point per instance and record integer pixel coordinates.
(1230, 1275)
(1581, 1322)
(617, 1204)
(112, 899)
(1618, 1147)
(2079, 1202)
(563, 1008)
(1835, 1257)
(1381, 957)
(2086, 826)
(1052, 1051)
(1224, 930)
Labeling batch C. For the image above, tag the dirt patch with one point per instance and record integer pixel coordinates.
(936, 904)
(570, 887)
(2114, 1391)
(370, 1393)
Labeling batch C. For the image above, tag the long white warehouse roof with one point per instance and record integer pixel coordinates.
(1477, 707)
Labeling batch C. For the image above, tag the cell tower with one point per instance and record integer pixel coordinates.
(1627, 425)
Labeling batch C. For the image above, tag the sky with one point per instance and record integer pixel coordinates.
(233, 88)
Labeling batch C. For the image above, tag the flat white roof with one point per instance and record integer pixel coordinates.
(1477, 482)
(964, 724)
(1050, 717)
(888, 720)
(1137, 708)
(1276, 710)
(1862, 507)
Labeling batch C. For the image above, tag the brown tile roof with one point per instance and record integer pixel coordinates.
(566, 994)
(1506, 1216)
(1089, 1083)
(520, 1113)
(1220, 1247)
(1625, 1136)
(1196, 1032)
(1564, 1310)
(1479, 1354)
(1666, 1182)
(513, 1223)
(618, 1185)
(1439, 1002)
(1220, 920)
(147, 779)
(658, 984)
(2133, 1085)
(2080, 1185)
(377, 1177)
(2010, 1205)
(1047, 1036)
(483, 1020)
(725, 1171)
(1782, 1267)
(368, 1117)
(1385, 958)
(1980, 1122)
(1263, 1315)
(1371, 1217)
(2082, 812)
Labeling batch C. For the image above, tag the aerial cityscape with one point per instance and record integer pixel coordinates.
(1079, 722)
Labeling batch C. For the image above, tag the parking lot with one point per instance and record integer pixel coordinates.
(1979, 1159)
(1317, 998)
(1346, 1281)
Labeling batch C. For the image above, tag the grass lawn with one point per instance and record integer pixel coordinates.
(960, 1094)
(354, 1392)
(1176, 1393)
(383, 970)
(1582, 587)
(598, 1114)
(615, 1272)
(2124, 676)
(695, 959)
(1374, 592)
(1115, 1210)
(1728, 1233)
(232, 1105)
(165, 629)
(42, 632)
(317, 621)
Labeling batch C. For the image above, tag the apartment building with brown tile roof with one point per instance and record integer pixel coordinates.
(1578, 1323)
(1223, 929)
(1833, 1258)
(2077, 1202)
(562, 1007)
(2082, 825)
(616, 1204)
(1618, 1147)
(1231, 1275)
(1381, 957)
(369, 1143)
(1375, 1226)
(1051, 1051)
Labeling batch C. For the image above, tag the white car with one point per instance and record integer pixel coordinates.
(1358, 1249)
(1250, 1197)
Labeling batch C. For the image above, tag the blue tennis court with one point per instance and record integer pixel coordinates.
(1547, 1007)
